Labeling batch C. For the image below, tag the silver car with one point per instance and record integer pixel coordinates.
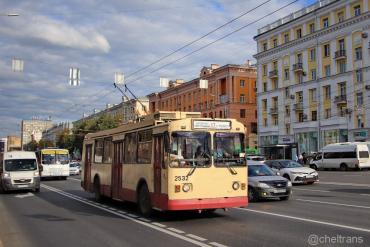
(264, 183)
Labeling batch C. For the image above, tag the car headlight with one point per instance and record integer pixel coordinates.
(289, 184)
(263, 185)
(36, 174)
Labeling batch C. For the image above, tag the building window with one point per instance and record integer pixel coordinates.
(264, 104)
(358, 53)
(287, 129)
(299, 33)
(313, 74)
(342, 66)
(287, 93)
(264, 69)
(327, 113)
(264, 46)
(342, 45)
(327, 92)
(313, 55)
(340, 16)
(301, 117)
(327, 70)
(313, 94)
(359, 75)
(287, 111)
(265, 122)
(357, 10)
(275, 42)
(242, 113)
(312, 27)
(242, 83)
(359, 99)
(275, 120)
(314, 115)
(264, 87)
(327, 50)
(286, 74)
(325, 22)
(286, 38)
(242, 98)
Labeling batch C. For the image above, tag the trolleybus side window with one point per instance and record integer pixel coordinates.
(130, 148)
(108, 150)
(227, 149)
(98, 151)
(145, 147)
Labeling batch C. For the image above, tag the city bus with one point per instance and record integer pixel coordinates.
(169, 161)
(54, 161)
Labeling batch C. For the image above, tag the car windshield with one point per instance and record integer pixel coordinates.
(190, 149)
(20, 165)
(290, 164)
(227, 149)
(259, 171)
(72, 165)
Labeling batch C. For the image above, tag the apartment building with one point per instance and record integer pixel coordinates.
(230, 94)
(52, 134)
(313, 83)
(32, 130)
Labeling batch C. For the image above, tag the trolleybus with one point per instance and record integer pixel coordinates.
(54, 161)
(169, 161)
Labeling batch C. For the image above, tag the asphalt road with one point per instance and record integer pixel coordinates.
(335, 212)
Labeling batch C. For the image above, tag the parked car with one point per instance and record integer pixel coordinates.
(342, 156)
(264, 183)
(294, 171)
(74, 169)
(255, 159)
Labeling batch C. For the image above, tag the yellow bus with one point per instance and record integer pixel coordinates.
(169, 161)
(54, 162)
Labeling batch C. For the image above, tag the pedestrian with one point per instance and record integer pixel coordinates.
(300, 159)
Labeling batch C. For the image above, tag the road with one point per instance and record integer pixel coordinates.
(334, 211)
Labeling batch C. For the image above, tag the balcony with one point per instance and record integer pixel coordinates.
(341, 54)
(274, 111)
(273, 74)
(298, 106)
(340, 99)
(298, 67)
(224, 99)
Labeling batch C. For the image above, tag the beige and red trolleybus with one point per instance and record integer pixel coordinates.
(169, 161)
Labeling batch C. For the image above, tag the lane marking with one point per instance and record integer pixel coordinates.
(365, 194)
(158, 224)
(348, 184)
(311, 190)
(334, 203)
(29, 194)
(75, 179)
(196, 237)
(144, 219)
(217, 244)
(307, 220)
(126, 216)
(175, 230)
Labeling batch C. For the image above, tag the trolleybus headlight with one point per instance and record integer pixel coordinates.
(186, 187)
(236, 185)
(6, 175)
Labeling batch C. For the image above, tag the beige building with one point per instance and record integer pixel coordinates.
(54, 132)
(32, 130)
(14, 143)
(134, 109)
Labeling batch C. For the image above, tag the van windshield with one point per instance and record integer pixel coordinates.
(20, 165)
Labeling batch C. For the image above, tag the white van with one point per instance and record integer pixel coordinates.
(342, 156)
(19, 170)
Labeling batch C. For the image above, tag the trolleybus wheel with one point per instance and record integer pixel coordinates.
(145, 206)
(97, 194)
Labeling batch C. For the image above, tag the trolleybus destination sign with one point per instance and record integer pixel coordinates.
(209, 124)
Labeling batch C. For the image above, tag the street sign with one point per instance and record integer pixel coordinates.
(119, 78)
(17, 65)
(164, 82)
(74, 77)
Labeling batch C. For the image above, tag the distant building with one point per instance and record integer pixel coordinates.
(54, 132)
(313, 78)
(230, 94)
(3, 145)
(14, 143)
(133, 109)
(32, 130)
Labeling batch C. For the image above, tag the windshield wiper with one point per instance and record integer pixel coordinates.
(231, 169)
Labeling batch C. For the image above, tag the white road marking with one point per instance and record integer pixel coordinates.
(29, 194)
(307, 220)
(158, 224)
(132, 215)
(312, 190)
(217, 244)
(365, 194)
(347, 184)
(126, 216)
(79, 180)
(144, 219)
(175, 230)
(334, 203)
(196, 237)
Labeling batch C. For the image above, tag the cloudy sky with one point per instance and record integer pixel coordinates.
(103, 37)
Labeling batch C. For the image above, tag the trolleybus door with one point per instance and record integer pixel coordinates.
(117, 170)
(87, 168)
(158, 160)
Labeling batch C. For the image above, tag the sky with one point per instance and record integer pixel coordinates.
(104, 37)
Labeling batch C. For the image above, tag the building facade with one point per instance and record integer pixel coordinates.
(134, 109)
(32, 130)
(54, 132)
(230, 94)
(313, 78)
(14, 143)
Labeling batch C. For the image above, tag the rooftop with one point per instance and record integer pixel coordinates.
(295, 15)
